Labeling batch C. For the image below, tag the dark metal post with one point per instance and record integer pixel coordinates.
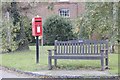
(37, 49)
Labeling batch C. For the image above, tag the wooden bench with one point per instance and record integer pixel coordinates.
(79, 49)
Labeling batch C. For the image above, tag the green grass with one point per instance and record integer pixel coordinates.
(25, 60)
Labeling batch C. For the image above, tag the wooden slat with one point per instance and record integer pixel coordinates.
(97, 48)
(69, 47)
(88, 57)
(66, 47)
(55, 47)
(77, 48)
(100, 46)
(94, 49)
(106, 45)
(91, 46)
(88, 46)
(80, 48)
(85, 47)
(58, 48)
(72, 48)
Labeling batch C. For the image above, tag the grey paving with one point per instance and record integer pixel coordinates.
(5, 73)
(10, 74)
(73, 73)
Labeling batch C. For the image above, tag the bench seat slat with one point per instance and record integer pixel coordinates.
(78, 54)
(92, 57)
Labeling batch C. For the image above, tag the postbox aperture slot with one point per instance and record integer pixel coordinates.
(37, 21)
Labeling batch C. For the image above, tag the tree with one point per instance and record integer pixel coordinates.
(118, 23)
(8, 43)
(81, 28)
(14, 13)
(21, 37)
(22, 40)
(97, 18)
(57, 28)
(13, 34)
(100, 18)
(28, 29)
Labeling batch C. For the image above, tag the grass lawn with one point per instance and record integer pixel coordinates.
(26, 61)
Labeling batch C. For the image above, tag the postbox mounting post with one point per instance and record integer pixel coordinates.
(37, 49)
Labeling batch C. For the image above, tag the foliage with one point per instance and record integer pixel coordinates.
(118, 23)
(98, 19)
(57, 28)
(81, 30)
(13, 32)
(28, 28)
(50, 6)
(8, 36)
(23, 42)
(14, 13)
(100, 22)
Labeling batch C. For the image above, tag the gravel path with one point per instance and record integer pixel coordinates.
(12, 74)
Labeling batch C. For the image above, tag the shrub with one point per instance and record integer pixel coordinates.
(57, 28)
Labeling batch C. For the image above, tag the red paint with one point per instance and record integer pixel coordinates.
(37, 26)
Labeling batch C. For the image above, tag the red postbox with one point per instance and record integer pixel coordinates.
(37, 26)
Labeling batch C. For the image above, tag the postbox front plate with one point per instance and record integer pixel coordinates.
(37, 26)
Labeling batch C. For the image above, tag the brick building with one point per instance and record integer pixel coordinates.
(66, 9)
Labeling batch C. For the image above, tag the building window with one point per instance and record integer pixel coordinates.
(64, 12)
(63, 0)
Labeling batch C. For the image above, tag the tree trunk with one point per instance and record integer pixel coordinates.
(23, 42)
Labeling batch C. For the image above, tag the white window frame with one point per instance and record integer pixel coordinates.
(64, 12)
(63, 0)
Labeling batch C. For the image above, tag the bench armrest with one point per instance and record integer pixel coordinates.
(51, 49)
(50, 52)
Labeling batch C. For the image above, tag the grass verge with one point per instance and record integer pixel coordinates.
(25, 60)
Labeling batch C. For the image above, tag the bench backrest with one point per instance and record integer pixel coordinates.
(80, 47)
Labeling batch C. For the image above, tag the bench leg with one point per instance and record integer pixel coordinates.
(106, 63)
(55, 62)
(49, 63)
(102, 64)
